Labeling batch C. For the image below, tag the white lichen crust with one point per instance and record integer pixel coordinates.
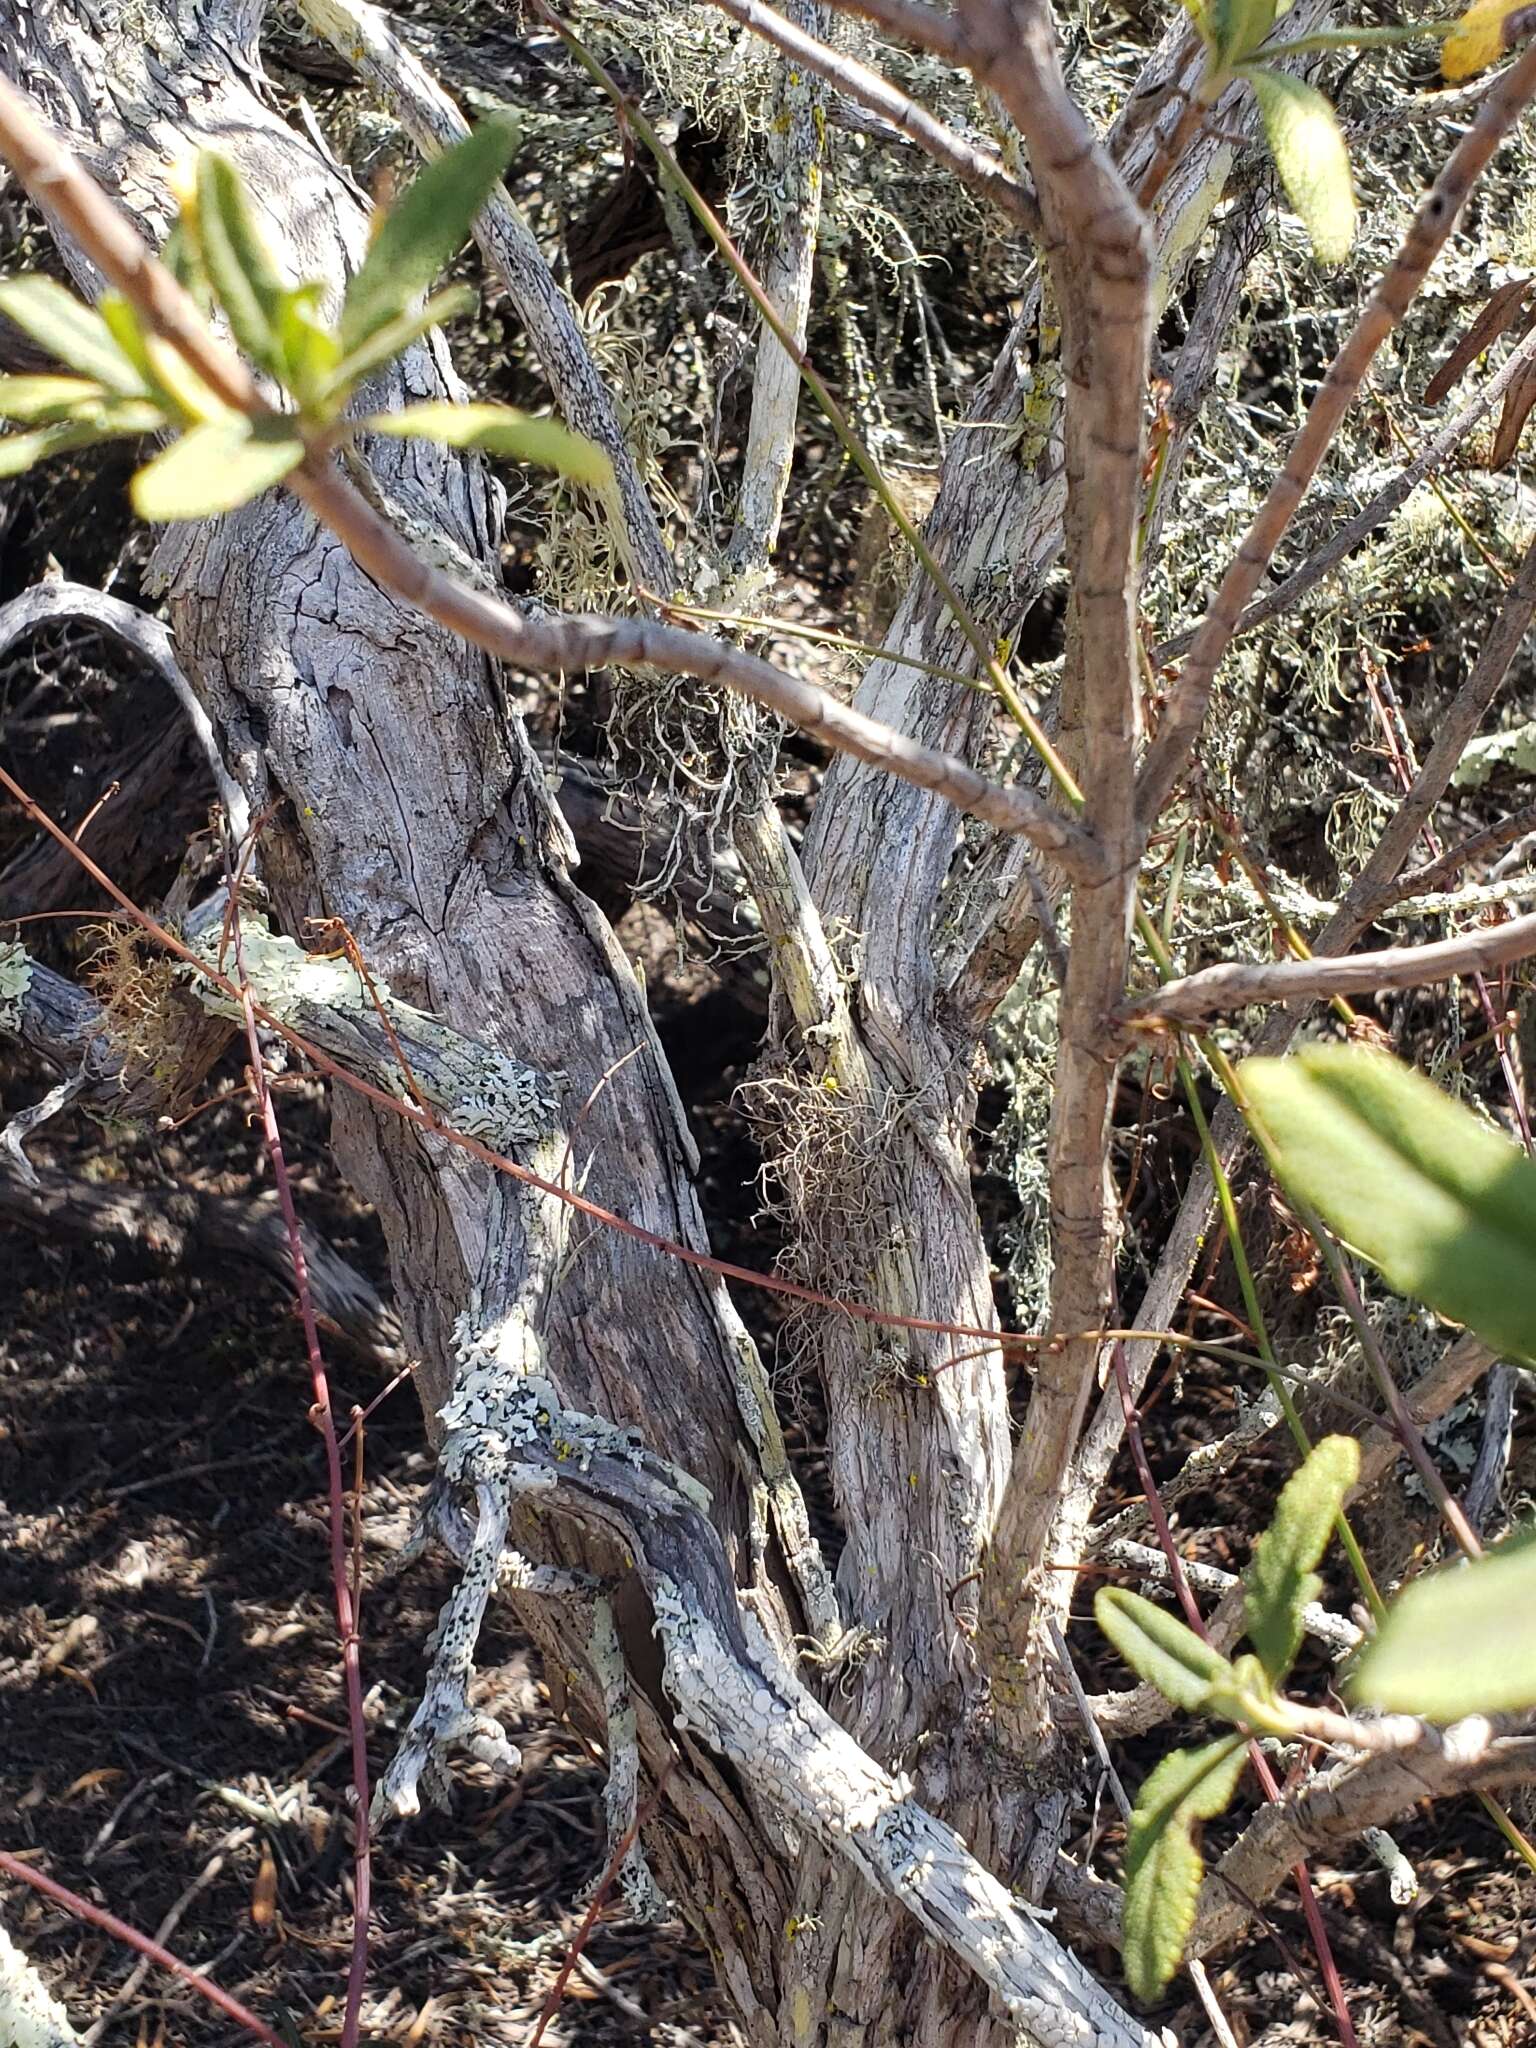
(361, 1023)
(509, 1436)
(15, 974)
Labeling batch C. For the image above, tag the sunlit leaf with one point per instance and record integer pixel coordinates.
(162, 370)
(214, 468)
(69, 329)
(1483, 34)
(20, 452)
(240, 268)
(388, 341)
(1200, 14)
(425, 229)
(46, 398)
(1423, 1188)
(184, 260)
(1163, 1864)
(1280, 1579)
(500, 430)
(1159, 1647)
(1240, 26)
(309, 347)
(1462, 1641)
(1308, 147)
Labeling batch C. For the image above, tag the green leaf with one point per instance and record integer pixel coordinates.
(1163, 1864)
(20, 451)
(1248, 1699)
(108, 419)
(425, 229)
(1239, 27)
(1160, 1648)
(70, 330)
(163, 371)
(214, 468)
(1280, 1579)
(388, 341)
(1309, 152)
(309, 347)
(1462, 1641)
(47, 398)
(245, 280)
(183, 258)
(1426, 1190)
(1200, 15)
(499, 430)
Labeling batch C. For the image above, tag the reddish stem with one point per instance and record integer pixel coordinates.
(98, 1916)
(346, 1607)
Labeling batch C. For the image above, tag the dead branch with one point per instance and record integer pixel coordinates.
(151, 1231)
(1238, 983)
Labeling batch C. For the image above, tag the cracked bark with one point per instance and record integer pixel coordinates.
(411, 806)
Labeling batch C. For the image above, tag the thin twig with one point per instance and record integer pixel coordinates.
(1184, 712)
(1240, 982)
(82, 1909)
(1344, 539)
(978, 169)
(346, 1607)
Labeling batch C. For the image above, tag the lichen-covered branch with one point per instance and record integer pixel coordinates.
(509, 1433)
(30, 2016)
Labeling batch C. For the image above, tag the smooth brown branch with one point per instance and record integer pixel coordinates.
(1099, 248)
(568, 644)
(1184, 714)
(979, 170)
(1239, 983)
(911, 22)
(553, 645)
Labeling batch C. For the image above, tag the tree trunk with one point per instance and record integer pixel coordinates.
(410, 804)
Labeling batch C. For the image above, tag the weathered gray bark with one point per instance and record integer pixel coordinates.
(412, 807)
(919, 1444)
